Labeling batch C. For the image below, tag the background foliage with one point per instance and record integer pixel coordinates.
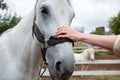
(114, 24)
(7, 20)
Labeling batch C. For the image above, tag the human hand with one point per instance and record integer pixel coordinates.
(68, 32)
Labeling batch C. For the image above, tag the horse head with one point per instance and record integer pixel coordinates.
(49, 14)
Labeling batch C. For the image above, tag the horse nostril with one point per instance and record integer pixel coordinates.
(57, 66)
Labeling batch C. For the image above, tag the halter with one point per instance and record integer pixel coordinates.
(53, 40)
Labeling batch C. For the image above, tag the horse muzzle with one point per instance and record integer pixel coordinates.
(60, 61)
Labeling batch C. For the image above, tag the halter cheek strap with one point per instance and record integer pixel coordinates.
(37, 33)
(40, 38)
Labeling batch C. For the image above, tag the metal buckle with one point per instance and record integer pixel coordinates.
(44, 45)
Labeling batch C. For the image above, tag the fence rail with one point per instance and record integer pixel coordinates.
(114, 61)
(94, 72)
(98, 72)
(81, 49)
(101, 51)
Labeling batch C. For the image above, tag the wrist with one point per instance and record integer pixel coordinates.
(85, 37)
(81, 37)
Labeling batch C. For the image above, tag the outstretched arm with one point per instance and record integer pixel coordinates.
(106, 41)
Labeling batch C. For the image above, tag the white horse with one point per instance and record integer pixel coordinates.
(87, 54)
(20, 49)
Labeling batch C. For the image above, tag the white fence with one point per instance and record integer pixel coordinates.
(98, 72)
(85, 72)
(94, 72)
(81, 49)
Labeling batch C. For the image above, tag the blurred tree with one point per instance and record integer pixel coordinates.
(99, 31)
(3, 5)
(7, 20)
(114, 24)
(14, 21)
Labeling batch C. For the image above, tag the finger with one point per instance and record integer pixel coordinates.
(62, 36)
(61, 32)
(58, 31)
(62, 27)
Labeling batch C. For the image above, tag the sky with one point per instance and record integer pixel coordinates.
(88, 13)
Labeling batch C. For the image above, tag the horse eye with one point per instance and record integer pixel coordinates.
(44, 11)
